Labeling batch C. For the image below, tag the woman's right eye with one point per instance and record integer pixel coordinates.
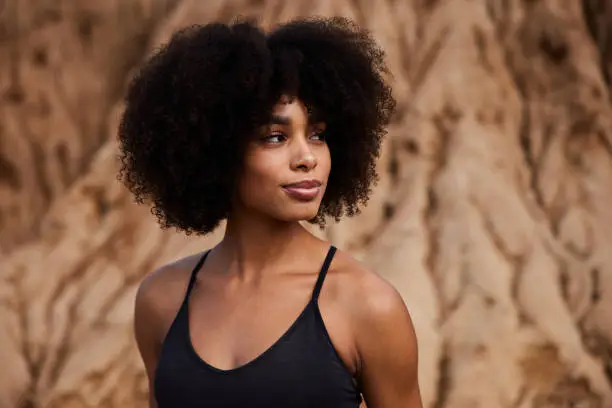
(274, 138)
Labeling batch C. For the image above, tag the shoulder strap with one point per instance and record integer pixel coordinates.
(194, 274)
(323, 272)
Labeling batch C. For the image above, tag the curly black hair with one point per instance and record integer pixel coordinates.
(192, 106)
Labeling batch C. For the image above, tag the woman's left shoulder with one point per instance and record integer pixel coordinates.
(366, 294)
(383, 336)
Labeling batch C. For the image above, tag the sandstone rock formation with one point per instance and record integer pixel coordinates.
(491, 215)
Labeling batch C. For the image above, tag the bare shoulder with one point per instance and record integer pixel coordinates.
(166, 280)
(383, 334)
(161, 293)
(368, 295)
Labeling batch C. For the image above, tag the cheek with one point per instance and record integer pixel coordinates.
(263, 167)
(260, 175)
(324, 161)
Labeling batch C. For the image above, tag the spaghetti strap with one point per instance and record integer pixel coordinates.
(289, 373)
(194, 274)
(323, 273)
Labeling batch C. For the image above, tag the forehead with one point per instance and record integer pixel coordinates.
(292, 106)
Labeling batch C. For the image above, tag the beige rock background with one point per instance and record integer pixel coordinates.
(492, 216)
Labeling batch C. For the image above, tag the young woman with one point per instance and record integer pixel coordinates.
(226, 122)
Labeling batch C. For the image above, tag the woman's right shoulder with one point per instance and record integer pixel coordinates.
(161, 293)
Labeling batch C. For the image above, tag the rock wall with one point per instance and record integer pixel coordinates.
(491, 215)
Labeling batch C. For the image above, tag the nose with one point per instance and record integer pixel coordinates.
(307, 162)
(304, 160)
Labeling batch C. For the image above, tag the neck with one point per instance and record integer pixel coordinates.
(252, 243)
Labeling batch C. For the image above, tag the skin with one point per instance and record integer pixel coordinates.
(258, 279)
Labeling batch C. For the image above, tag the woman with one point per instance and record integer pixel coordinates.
(264, 131)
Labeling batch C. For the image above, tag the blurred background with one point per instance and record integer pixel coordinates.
(492, 216)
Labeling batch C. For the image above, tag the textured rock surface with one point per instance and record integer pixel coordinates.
(491, 216)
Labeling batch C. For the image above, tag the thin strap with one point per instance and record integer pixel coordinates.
(324, 268)
(194, 274)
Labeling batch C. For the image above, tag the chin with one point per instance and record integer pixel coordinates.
(307, 212)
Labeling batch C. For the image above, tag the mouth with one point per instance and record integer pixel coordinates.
(305, 190)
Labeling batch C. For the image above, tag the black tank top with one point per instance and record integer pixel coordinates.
(302, 369)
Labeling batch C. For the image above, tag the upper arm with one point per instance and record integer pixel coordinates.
(387, 349)
(158, 300)
(148, 320)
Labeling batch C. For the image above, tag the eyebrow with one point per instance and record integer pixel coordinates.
(279, 120)
(315, 117)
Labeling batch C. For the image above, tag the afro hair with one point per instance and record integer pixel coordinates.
(192, 106)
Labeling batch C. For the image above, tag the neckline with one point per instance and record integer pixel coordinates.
(252, 361)
(312, 302)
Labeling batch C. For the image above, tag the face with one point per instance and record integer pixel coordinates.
(286, 165)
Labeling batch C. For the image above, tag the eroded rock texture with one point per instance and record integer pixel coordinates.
(491, 216)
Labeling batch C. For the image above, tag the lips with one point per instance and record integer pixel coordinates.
(304, 184)
(305, 190)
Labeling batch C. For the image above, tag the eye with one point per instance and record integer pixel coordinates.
(318, 134)
(275, 138)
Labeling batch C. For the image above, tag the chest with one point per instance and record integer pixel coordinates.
(229, 332)
(286, 376)
(300, 369)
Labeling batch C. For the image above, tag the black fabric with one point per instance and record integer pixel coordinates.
(302, 369)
